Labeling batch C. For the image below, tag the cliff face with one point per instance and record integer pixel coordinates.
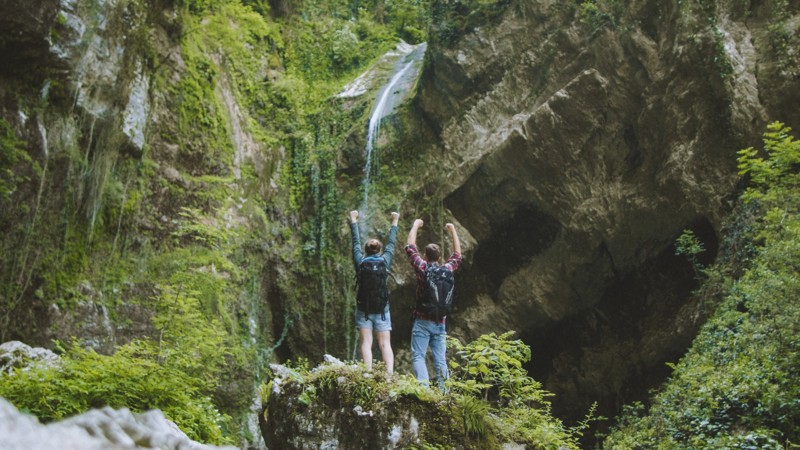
(76, 94)
(571, 144)
(578, 143)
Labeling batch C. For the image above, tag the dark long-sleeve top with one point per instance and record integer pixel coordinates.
(358, 253)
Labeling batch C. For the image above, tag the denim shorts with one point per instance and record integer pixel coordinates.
(377, 321)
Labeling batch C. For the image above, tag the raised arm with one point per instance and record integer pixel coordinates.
(357, 254)
(388, 252)
(412, 235)
(454, 237)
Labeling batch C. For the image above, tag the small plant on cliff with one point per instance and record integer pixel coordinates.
(690, 245)
(490, 369)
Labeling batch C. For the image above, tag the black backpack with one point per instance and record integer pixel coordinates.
(437, 300)
(372, 288)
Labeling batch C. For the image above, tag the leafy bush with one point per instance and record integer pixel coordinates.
(737, 386)
(137, 377)
(490, 369)
(772, 177)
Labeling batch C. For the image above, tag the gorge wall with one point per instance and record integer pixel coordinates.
(571, 143)
(573, 146)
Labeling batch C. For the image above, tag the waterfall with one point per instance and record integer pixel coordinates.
(43, 135)
(389, 98)
(45, 163)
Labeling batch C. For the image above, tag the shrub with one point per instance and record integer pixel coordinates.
(134, 377)
(737, 385)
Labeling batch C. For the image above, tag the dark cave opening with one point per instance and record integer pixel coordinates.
(615, 352)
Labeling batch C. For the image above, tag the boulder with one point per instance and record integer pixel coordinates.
(97, 429)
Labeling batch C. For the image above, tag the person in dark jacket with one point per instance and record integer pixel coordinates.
(380, 323)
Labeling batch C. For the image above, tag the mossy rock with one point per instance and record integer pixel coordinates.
(343, 406)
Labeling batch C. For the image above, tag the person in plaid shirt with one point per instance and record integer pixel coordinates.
(428, 331)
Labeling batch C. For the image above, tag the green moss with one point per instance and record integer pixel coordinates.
(116, 231)
(460, 417)
(12, 155)
(451, 20)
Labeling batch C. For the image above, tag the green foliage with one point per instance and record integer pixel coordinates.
(64, 269)
(12, 155)
(702, 17)
(737, 386)
(345, 47)
(408, 18)
(204, 138)
(203, 229)
(451, 20)
(774, 177)
(328, 51)
(784, 40)
(137, 376)
(519, 414)
(598, 14)
(491, 367)
(721, 58)
(689, 244)
(474, 412)
(191, 342)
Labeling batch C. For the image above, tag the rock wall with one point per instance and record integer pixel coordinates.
(75, 90)
(577, 146)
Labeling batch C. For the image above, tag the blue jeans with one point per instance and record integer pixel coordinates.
(425, 333)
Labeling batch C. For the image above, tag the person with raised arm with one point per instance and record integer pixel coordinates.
(372, 298)
(433, 301)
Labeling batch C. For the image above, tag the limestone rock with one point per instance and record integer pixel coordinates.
(100, 429)
(333, 419)
(15, 354)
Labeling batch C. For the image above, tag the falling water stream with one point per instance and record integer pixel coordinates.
(391, 94)
(407, 67)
